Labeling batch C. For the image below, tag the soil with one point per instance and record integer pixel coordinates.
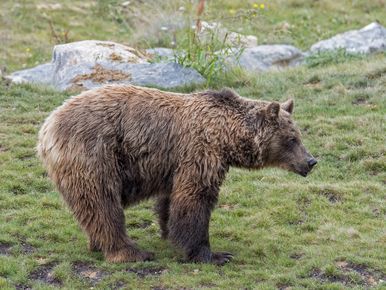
(360, 101)
(297, 256)
(44, 273)
(368, 277)
(26, 247)
(332, 197)
(5, 249)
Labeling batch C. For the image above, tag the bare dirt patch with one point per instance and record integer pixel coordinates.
(18, 189)
(88, 272)
(318, 274)
(375, 74)
(296, 256)
(44, 273)
(5, 249)
(22, 287)
(120, 285)
(147, 271)
(26, 248)
(332, 195)
(361, 101)
(101, 75)
(3, 149)
(367, 277)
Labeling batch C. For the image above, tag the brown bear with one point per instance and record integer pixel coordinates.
(111, 147)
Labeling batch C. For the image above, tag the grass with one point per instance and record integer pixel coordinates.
(286, 231)
(326, 231)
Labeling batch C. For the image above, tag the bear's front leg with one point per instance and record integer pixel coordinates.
(162, 209)
(188, 224)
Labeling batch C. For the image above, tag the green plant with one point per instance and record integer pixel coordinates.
(209, 57)
(206, 49)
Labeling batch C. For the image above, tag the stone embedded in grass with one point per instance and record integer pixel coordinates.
(369, 39)
(89, 64)
(267, 57)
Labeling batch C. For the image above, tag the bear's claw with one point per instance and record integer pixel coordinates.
(221, 258)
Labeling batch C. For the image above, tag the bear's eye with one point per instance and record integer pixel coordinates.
(292, 141)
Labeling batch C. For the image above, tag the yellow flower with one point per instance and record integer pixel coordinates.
(27, 49)
(232, 11)
(262, 6)
(255, 5)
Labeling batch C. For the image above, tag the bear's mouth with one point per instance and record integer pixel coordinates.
(302, 171)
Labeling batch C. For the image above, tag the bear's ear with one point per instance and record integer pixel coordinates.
(288, 106)
(273, 110)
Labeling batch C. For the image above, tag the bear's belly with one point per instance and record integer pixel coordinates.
(140, 187)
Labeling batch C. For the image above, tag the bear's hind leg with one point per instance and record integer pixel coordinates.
(101, 215)
(93, 245)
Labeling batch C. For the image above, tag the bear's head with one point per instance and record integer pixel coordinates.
(285, 148)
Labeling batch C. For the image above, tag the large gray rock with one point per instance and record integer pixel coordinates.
(267, 57)
(41, 74)
(371, 38)
(164, 75)
(89, 64)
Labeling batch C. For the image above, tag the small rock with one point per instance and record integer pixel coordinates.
(268, 57)
(369, 39)
(341, 264)
(42, 261)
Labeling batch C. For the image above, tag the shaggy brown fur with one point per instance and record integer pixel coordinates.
(112, 147)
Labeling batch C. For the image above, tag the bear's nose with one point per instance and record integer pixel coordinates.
(312, 162)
